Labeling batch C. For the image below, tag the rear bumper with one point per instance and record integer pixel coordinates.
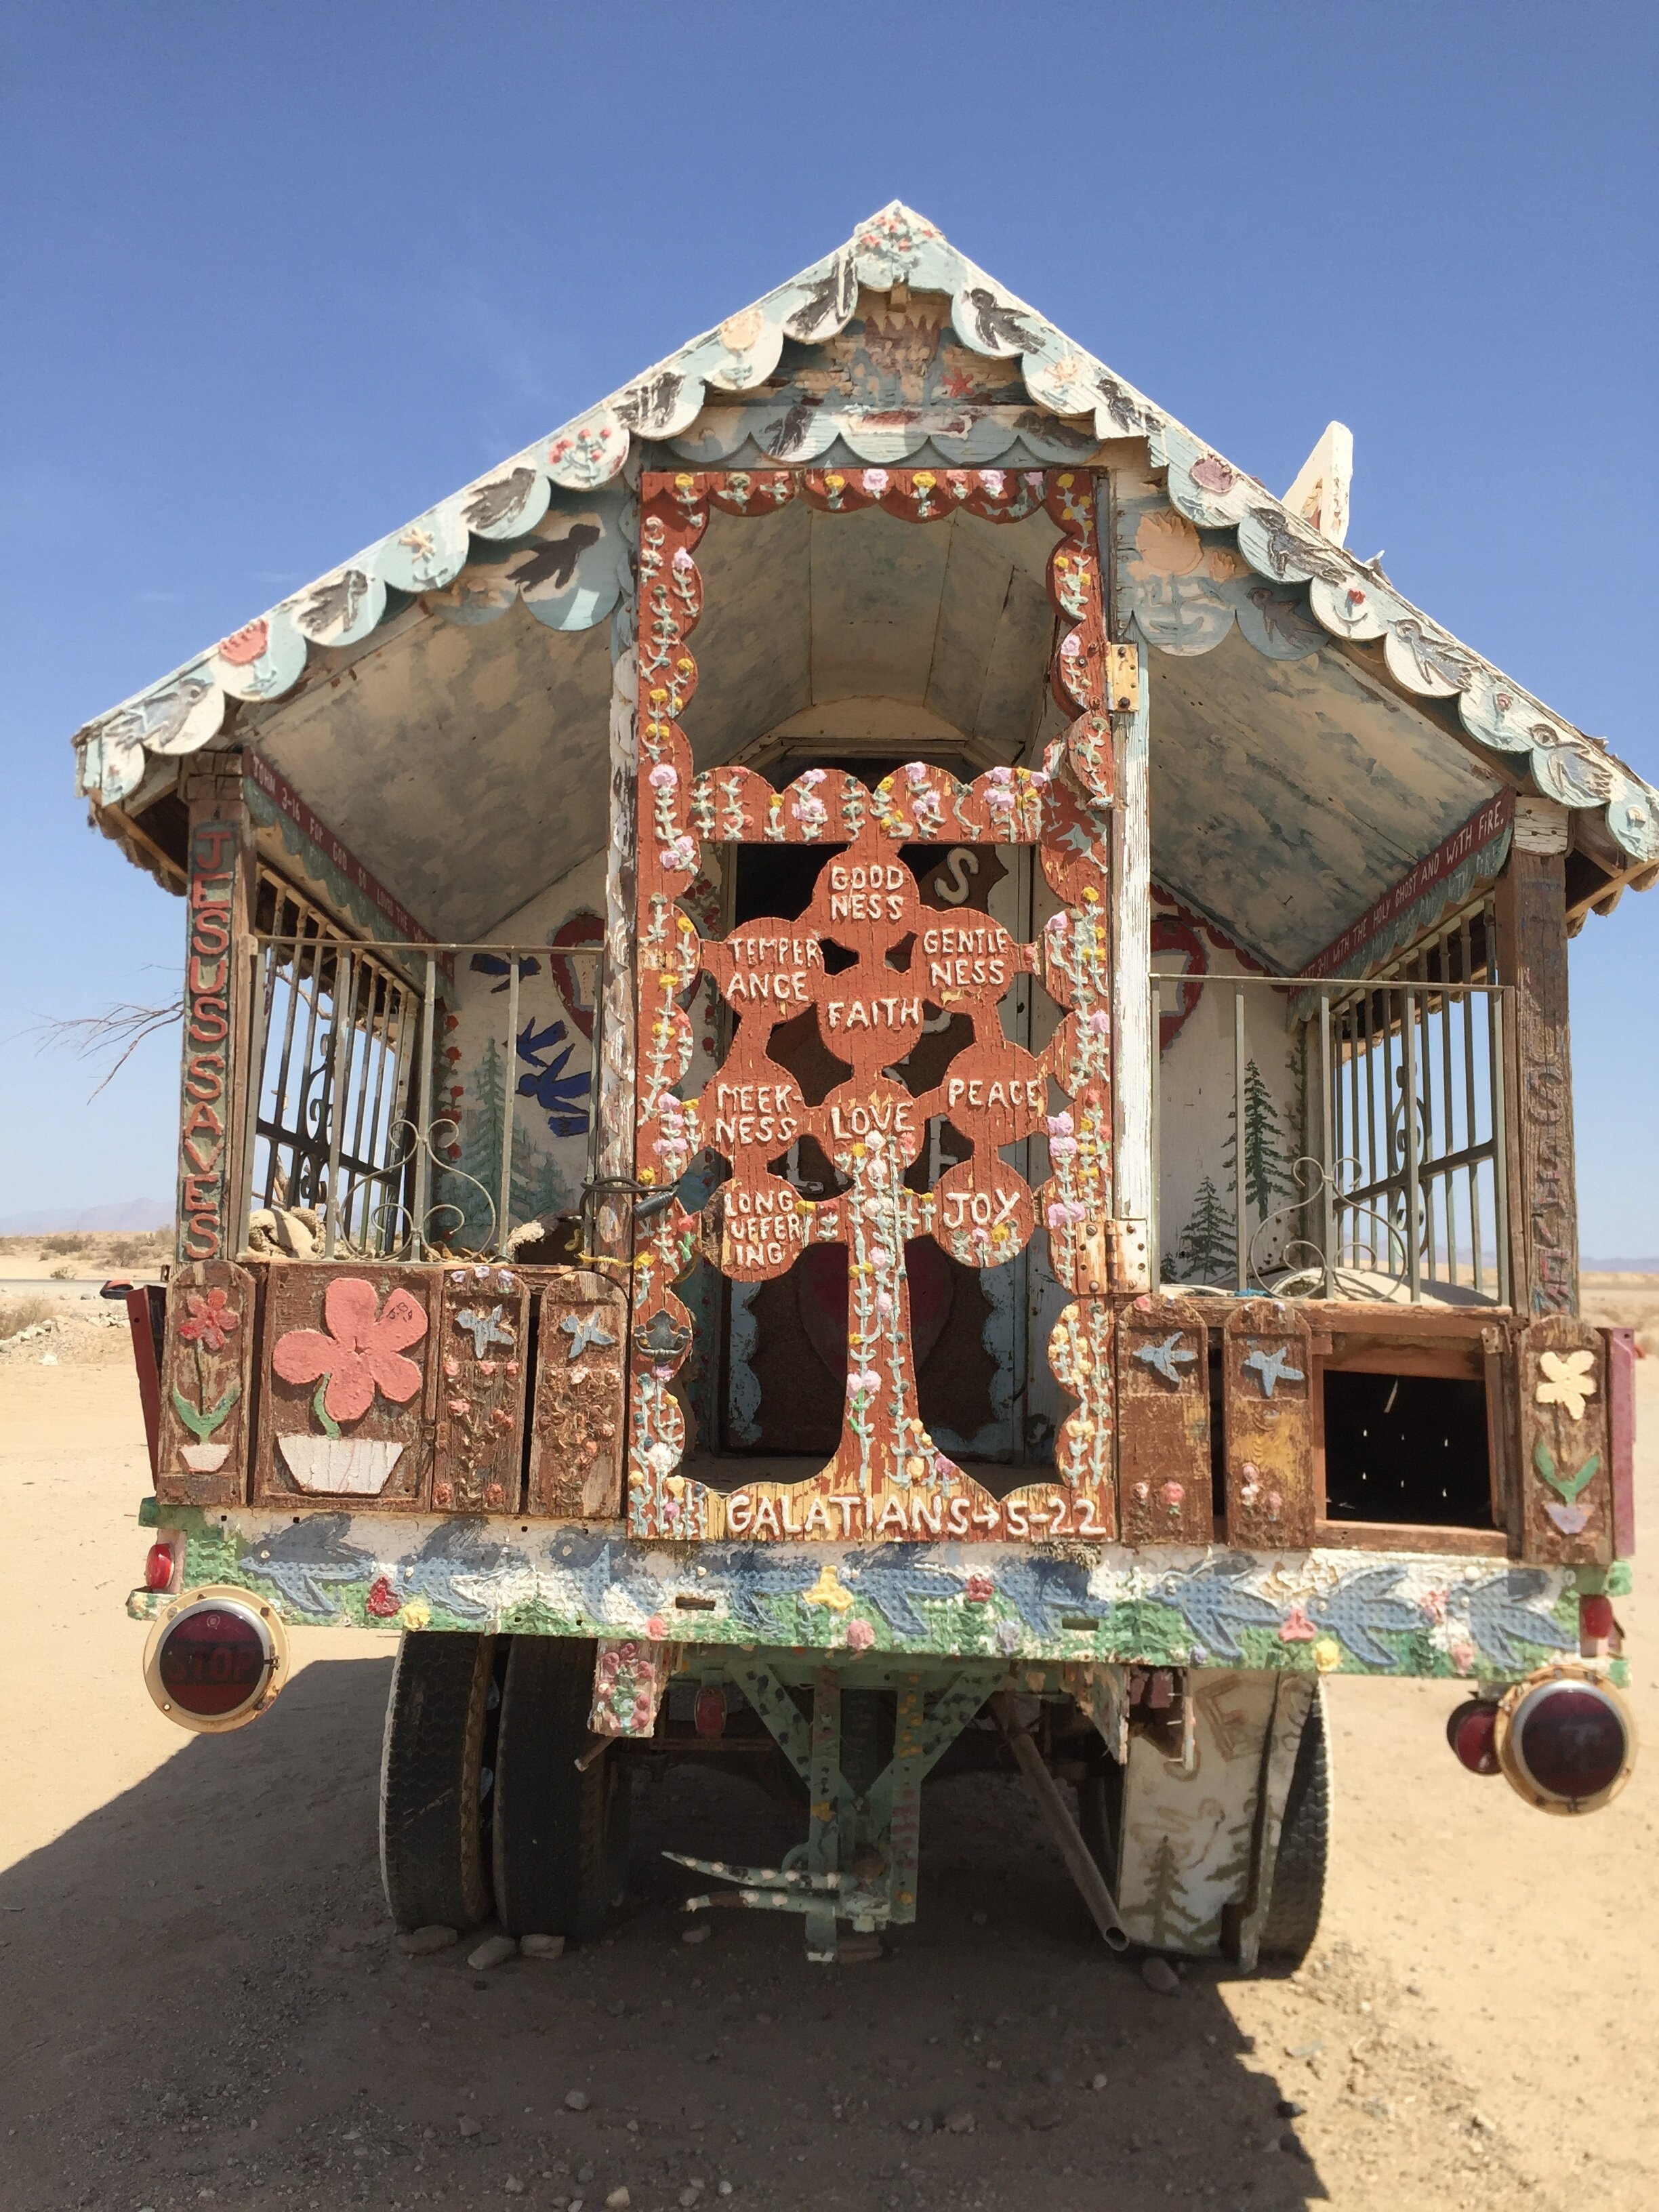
(1326, 1611)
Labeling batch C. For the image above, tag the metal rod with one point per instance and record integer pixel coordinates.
(503, 1221)
(1057, 1818)
(342, 1033)
(1413, 1245)
(422, 1120)
(1471, 1116)
(1241, 1237)
(1500, 1157)
(1326, 1162)
(1155, 1053)
(253, 1086)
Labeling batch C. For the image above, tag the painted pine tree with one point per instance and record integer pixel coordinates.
(539, 1189)
(1267, 1158)
(1172, 1922)
(1208, 1253)
(483, 1118)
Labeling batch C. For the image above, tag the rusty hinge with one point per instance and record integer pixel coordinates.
(1113, 1255)
(1123, 677)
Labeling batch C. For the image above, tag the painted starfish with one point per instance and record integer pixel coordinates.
(1272, 1367)
(1164, 1360)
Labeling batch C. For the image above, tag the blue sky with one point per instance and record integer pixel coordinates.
(278, 278)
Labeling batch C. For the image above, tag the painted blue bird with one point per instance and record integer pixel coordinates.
(1213, 1602)
(492, 963)
(1504, 1623)
(1164, 1360)
(1272, 1367)
(585, 1331)
(1359, 1612)
(485, 1328)
(555, 1091)
(894, 1575)
(302, 1560)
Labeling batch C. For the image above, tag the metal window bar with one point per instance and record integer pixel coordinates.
(1406, 1125)
(1419, 1141)
(346, 1118)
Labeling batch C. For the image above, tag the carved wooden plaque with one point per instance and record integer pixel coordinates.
(576, 1438)
(349, 1357)
(203, 1457)
(1266, 1364)
(869, 965)
(1164, 1423)
(484, 1333)
(1565, 1473)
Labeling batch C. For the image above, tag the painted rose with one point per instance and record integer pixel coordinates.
(860, 1636)
(359, 1352)
(208, 1320)
(382, 1600)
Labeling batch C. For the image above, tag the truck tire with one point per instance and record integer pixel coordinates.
(1298, 1891)
(560, 1839)
(435, 1780)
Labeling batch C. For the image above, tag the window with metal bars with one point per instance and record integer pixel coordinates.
(1417, 1115)
(336, 1029)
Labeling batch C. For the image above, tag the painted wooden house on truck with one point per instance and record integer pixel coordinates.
(875, 1079)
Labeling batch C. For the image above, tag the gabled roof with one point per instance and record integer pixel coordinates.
(1057, 403)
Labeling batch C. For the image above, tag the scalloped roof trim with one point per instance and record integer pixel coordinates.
(268, 656)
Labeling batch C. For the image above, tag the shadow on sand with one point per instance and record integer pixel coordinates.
(204, 2005)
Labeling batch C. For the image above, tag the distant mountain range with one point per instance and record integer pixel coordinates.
(60, 1220)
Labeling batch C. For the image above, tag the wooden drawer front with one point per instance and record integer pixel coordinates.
(482, 1335)
(349, 1360)
(578, 1430)
(1566, 1487)
(1164, 1423)
(1266, 1364)
(203, 1439)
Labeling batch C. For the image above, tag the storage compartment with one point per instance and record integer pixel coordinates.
(1409, 1448)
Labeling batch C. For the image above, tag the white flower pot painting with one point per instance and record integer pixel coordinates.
(205, 1459)
(352, 1467)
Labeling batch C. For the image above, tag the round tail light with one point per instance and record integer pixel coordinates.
(216, 1659)
(1472, 1732)
(158, 1567)
(1565, 1741)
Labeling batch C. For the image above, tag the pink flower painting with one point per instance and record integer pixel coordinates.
(361, 1351)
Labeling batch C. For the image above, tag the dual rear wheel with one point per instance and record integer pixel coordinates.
(481, 1801)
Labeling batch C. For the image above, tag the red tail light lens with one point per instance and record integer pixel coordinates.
(1567, 1743)
(1472, 1732)
(214, 1660)
(158, 1567)
(709, 1713)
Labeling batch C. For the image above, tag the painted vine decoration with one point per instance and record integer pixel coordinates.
(887, 1479)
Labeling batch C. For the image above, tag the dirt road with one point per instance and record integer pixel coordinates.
(202, 2005)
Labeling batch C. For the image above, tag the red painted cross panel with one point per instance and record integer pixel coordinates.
(871, 964)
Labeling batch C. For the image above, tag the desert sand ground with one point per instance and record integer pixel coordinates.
(202, 2004)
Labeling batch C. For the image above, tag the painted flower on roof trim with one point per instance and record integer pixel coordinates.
(361, 1351)
(210, 1319)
